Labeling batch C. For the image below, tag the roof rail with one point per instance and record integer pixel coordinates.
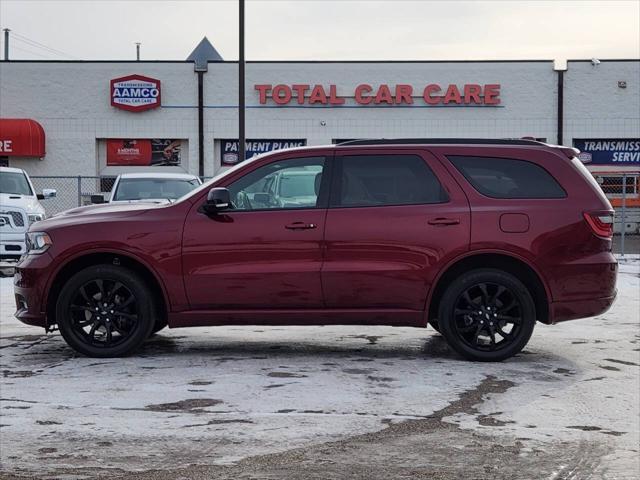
(432, 141)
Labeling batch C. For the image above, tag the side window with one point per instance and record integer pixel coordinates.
(291, 183)
(377, 180)
(507, 177)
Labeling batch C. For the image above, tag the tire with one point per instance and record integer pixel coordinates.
(487, 315)
(435, 325)
(105, 311)
(159, 325)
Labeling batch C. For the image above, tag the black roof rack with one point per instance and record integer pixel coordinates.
(432, 141)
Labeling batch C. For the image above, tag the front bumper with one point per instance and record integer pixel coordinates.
(29, 286)
(12, 245)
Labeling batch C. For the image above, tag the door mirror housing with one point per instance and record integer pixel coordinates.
(97, 199)
(218, 199)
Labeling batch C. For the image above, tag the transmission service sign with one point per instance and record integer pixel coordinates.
(135, 93)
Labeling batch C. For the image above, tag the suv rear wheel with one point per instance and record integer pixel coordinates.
(105, 311)
(487, 315)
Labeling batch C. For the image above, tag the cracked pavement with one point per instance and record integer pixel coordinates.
(325, 403)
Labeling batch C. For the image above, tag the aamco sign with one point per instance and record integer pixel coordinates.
(135, 93)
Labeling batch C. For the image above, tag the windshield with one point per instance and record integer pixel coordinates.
(15, 183)
(153, 188)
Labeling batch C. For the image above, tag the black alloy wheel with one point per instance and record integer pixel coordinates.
(105, 311)
(489, 315)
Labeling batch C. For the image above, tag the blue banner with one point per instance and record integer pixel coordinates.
(229, 148)
(623, 151)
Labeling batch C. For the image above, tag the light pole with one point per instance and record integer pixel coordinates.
(241, 102)
(6, 43)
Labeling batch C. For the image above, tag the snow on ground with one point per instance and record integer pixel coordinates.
(219, 397)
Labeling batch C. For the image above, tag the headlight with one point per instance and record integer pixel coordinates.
(38, 242)
(35, 217)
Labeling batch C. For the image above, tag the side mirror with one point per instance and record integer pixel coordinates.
(218, 199)
(97, 199)
(49, 193)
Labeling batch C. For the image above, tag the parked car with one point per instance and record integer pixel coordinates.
(478, 238)
(19, 207)
(150, 187)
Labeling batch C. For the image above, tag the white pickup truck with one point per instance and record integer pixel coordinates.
(19, 207)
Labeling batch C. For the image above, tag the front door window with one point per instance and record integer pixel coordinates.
(287, 184)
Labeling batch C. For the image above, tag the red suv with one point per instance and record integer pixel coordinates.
(478, 238)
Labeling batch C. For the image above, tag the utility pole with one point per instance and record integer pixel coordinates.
(241, 103)
(138, 51)
(6, 43)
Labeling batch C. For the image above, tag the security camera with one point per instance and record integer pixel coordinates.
(595, 61)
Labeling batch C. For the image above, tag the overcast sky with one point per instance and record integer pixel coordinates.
(325, 30)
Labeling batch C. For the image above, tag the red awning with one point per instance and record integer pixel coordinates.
(21, 137)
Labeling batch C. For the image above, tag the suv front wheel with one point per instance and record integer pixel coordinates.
(105, 311)
(487, 315)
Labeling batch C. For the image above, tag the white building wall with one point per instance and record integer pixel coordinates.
(596, 107)
(527, 108)
(71, 101)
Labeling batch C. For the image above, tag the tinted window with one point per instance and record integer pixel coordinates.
(370, 180)
(507, 177)
(291, 183)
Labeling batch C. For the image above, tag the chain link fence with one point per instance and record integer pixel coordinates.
(622, 189)
(71, 192)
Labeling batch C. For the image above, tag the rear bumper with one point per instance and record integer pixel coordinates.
(563, 311)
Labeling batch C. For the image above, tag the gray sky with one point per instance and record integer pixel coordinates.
(326, 30)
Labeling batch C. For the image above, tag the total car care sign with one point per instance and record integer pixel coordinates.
(365, 94)
(135, 93)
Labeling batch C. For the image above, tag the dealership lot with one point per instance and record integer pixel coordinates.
(325, 402)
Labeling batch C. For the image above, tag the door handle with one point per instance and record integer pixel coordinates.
(300, 226)
(444, 221)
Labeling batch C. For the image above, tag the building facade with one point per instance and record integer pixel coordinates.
(101, 118)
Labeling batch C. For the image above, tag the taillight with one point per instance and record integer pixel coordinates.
(601, 223)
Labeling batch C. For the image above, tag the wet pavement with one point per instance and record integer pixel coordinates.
(325, 402)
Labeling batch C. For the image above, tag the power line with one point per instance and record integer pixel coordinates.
(36, 44)
(31, 52)
(32, 43)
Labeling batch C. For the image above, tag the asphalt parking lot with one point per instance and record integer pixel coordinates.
(325, 403)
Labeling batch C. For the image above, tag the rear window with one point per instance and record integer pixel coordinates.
(507, 177)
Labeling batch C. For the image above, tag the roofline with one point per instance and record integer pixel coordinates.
(606, 60)
(441, 141)
(284, 61)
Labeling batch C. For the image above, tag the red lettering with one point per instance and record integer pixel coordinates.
(428, 90)
(491, 94)
(300, 91)
(318, 95)
(403, 94)
(472, 93)
(452, 95)
(263, 89)
(334, 99)
(281, 99)
(384, 95)
(360, 90)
